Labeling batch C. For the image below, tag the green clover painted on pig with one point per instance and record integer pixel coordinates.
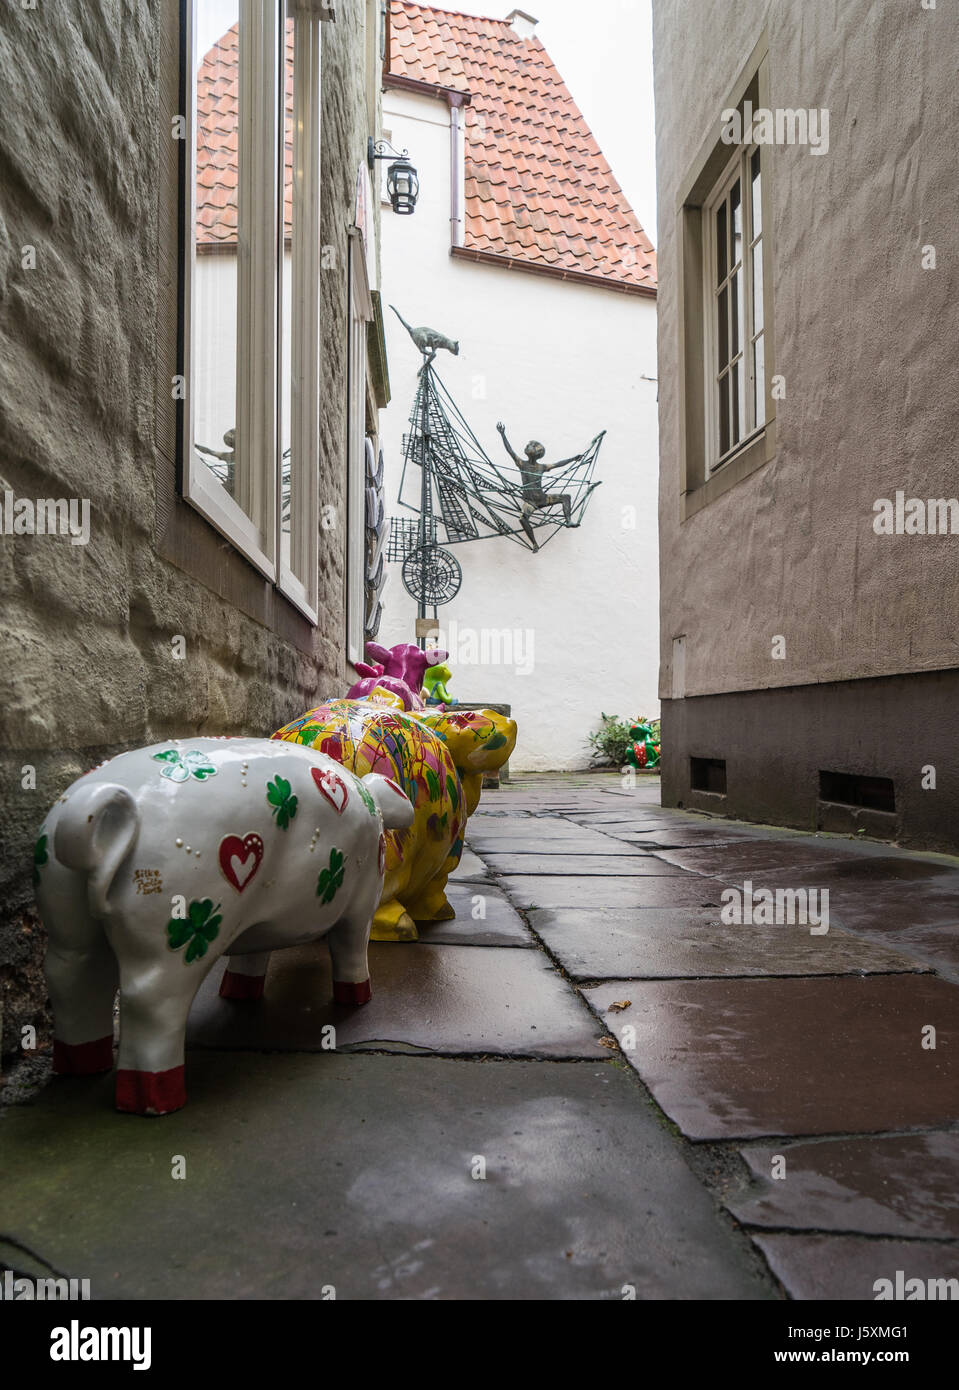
(331, 878)
(282, 801)
(180, 766)
(199, 928)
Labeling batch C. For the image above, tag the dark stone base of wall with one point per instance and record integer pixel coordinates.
(776, 743)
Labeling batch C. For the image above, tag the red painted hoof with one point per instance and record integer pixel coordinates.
(151, 1092)
(237, 986)
(83, 1059)
(346, 993)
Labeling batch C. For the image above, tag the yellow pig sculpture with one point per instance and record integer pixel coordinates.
(438, 761)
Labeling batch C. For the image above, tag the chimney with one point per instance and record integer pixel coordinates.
(521, 23)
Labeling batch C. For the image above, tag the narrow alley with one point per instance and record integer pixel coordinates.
(584, 1087)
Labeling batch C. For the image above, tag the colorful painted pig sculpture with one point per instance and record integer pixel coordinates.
(439, 761)
(162, 860)
(398, 669)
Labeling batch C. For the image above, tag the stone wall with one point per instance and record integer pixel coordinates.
(87, 664)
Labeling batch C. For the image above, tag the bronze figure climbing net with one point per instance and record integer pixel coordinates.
(462, 495)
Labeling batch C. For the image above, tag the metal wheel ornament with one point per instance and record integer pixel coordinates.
(432, 575)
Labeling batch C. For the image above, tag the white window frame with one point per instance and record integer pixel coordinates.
(739, 166)
(360, 313)
(252, 522)
(306, 327)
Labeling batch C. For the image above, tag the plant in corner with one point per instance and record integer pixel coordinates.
(608, 743)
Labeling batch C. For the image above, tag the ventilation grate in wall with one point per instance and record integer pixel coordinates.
(707, 775)
(851, 789)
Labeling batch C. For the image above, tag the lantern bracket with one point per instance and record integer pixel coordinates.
(382, 149)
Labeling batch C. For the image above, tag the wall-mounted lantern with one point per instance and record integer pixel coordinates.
(402, 183)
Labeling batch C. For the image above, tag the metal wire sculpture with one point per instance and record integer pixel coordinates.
(462, 495)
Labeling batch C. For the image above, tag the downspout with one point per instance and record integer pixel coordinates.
(457, 100)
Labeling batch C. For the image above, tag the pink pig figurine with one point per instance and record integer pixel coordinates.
(399, 669)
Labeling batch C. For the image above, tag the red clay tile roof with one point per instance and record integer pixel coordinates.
(217, 106)
(538, 189)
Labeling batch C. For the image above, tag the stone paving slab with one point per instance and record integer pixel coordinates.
(730, 1059)
(620, 826)
(505, 831)
(502, 825)
(663, 943)
(583, 842)
(571, 848)
(755, 856)
(500, 925)
(682, 834)
(916, 908)
(847, 1267)
(644, 815)
(598, 865)
(618, 892)
(535, 827)
(469, 867)
(355, 1172)
(435, 998)
(901, 1186)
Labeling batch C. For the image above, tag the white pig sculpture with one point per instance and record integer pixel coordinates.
(158, 862)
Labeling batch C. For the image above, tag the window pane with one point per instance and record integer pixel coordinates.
(738, 402)
(759, 366)
(723, 414)
(721, 248)
(214, 326)
(757, 255)
(736, 216)
(736, 311)
(723, 328)
(757, 204)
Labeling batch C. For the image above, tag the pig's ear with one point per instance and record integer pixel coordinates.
(394, 805)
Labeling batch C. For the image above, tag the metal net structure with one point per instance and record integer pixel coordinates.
(461, 495)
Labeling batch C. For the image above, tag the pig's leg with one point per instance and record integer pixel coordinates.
(392, 922)
(155, 998)
(245, 976)
(348, 942)
(431, 904)
(82, 978)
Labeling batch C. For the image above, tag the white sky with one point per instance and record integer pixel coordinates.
(604, 52)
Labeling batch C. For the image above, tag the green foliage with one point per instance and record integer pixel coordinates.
(609, 743)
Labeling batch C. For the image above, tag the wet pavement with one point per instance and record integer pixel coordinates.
(586, 1086)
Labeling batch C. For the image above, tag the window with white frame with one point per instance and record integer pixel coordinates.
(361, 311)
(733, 286)
(251, 307)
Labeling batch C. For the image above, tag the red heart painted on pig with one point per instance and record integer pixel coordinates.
(332, 787)
(240, 859)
